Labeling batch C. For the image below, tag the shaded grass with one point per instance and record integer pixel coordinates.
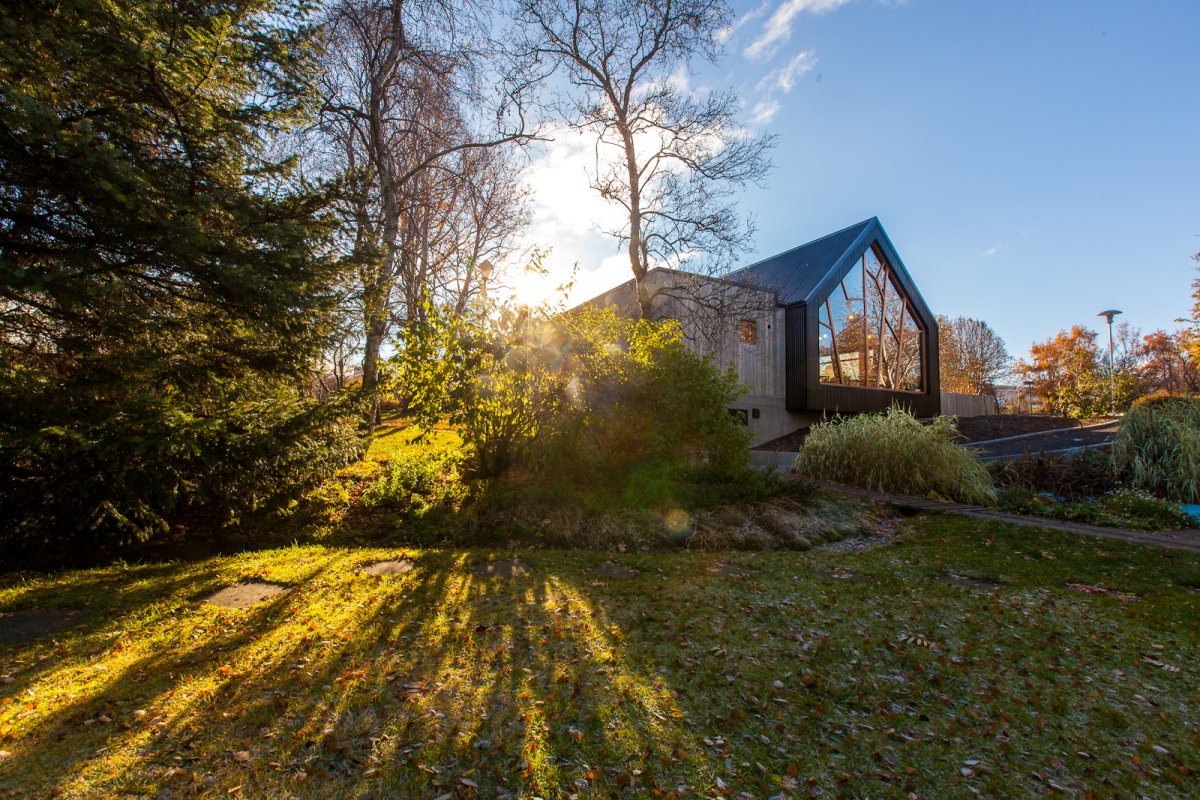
(856, 674)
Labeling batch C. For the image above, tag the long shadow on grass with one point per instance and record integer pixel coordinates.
(118, 605)
(437, 681)
(445, 682)
(98, 714)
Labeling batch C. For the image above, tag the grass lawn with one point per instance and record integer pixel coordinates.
(961, 658)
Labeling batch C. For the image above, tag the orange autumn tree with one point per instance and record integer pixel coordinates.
(1190, 337)
(1060, 362)
(1070, 375)
(1166, 364)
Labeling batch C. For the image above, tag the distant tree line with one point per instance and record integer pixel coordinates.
(1070, 372)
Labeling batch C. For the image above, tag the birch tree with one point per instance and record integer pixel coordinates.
(416, 123)
(670, 157)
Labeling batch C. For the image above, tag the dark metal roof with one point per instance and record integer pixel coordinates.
(810, 272)
(795, 274)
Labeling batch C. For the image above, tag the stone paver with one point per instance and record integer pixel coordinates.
(611, 569)
(18, 627)
(500, 569)
(730, 570)
(400, 566)
(244, 595)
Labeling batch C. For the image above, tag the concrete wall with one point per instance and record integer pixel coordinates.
(710, 312)
(955, 404)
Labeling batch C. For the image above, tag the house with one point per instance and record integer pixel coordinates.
(833, 326)
(1019, 399)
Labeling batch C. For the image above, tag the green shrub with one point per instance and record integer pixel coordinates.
(1157, 448)
(122, 478)
(611, 405)
(894, 452)
(1122, 508)
(640, 410)
(1020, 500)
(1139, 510)
(483, 375)
(417, 484)
(1023, 500)
(1090, 395)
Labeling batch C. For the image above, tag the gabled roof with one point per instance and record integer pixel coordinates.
(810, 272)
(796, 274)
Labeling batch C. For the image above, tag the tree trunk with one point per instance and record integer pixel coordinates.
(637, 260)
(376, 329)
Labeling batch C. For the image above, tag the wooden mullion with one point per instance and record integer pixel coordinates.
(882, 319)
(837, 358)
(900, 342)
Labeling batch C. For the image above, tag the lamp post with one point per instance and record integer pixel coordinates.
(1112, 370)
(485, 272)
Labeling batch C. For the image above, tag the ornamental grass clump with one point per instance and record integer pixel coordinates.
(1157, 448)
(894, 452)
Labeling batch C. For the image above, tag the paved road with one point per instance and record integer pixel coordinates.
(1050, 441)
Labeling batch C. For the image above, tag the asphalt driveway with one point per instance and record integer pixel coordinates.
(1070, 440)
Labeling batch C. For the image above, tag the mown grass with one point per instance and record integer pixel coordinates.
(965, 657)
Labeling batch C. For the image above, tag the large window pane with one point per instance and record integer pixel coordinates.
(867, 333)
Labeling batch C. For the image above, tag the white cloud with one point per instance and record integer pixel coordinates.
(784, 78)
(778, 29)
(572, 220)
(726, 33)
(800, 64)
(991, 251)
(764, 111)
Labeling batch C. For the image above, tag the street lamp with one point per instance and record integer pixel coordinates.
(1112, 371)
(485, 272)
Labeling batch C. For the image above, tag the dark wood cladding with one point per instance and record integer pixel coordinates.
(805, 392)
(795, 358)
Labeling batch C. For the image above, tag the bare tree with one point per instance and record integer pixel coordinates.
(1127, 347)
(416, 122)
(670, 157)
(972, 357)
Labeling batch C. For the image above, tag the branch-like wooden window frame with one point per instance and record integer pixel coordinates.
(889, 366)
(747, 332)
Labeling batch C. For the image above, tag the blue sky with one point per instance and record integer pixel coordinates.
(1033, 162)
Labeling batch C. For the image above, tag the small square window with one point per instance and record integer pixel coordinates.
(748, 332)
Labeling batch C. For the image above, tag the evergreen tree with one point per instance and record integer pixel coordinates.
(163, 277)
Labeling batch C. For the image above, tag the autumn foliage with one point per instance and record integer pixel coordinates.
(1067, 374)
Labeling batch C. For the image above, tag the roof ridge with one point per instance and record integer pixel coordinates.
(864, 222)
